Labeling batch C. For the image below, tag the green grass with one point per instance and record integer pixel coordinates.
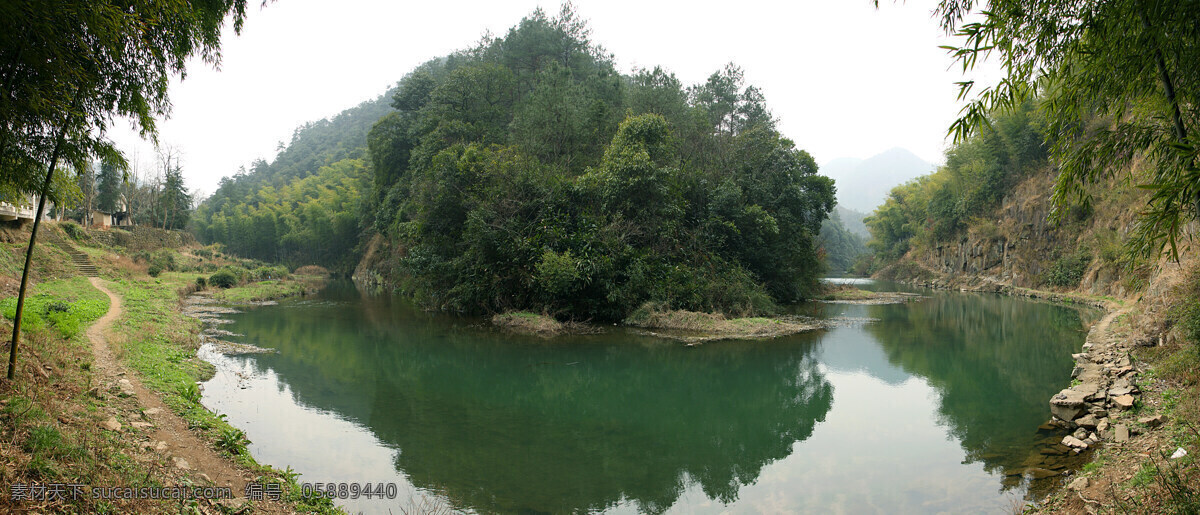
(67, 305)
(844, 292)
(268, 290)
(1092, 466)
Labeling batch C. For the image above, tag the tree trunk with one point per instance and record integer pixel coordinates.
(37, 220)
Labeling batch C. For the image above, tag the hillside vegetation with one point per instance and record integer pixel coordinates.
(526, 173)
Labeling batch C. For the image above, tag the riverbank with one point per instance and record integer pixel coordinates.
(848, 294)
(118, 405)
(1132, 402)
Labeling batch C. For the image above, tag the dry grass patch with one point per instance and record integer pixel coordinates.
(528, 323)
(694, 327)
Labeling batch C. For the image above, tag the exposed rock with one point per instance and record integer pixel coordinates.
(126, 388)
(152, 411)
(1089, 421)
(1078, 484)
(1068, 404)
(1117, 391)
(161, 446)
(141, 425)
(1074, 443)
(1080, 433)
(111, 424)
(1102, 426)
(1121, 432)
(181, 463)
(1123, 401)
(1154, 421)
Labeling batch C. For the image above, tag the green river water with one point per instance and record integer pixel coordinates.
(931, 406)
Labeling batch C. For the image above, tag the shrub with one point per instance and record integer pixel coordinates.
(270, 272)
(1068, 270)
(232, 440)
(154, 269)
(74, 230)
(165, 259)
(201, 283)
(223, 279)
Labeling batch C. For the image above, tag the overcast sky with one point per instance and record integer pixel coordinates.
(845, 79)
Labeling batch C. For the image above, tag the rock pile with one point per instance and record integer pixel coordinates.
(1104, 385)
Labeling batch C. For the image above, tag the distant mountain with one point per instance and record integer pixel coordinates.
(863, 184)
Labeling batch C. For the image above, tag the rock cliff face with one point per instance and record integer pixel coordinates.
(1018, 244)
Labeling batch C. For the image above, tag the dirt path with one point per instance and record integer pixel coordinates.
(172, 439)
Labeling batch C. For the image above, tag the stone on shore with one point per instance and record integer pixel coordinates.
(1074, 443)
(1154, 421)
(1089, 421)
(1068, 404)
(1121, 432)
(1123, 401)
(1079, 484)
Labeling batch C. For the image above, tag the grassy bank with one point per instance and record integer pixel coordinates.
(53, 418)
(528, 323)
(160, 343)
(271, 289)
(695, 327)
(846, 294)
(52, 411)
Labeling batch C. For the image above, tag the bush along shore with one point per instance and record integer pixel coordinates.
(121, 407)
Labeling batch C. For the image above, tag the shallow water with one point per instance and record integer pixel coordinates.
(930, 406)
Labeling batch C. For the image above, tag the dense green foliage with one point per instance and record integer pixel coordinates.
(313, 219)
(108, 188)
(507, 179)
(527, 173)
(977, 174)
(304, 207)
(68, 67)
(1068, 270)
(1121, 92)
(223, 279)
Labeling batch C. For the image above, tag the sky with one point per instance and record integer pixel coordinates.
(845, 79)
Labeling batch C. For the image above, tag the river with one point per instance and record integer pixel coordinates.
(925, 407)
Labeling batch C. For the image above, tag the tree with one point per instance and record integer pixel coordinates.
(108, 188)
(1118, 84)
(68, 67)
(175, 203)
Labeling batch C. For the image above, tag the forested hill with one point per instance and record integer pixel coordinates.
(303, 207)
(527, 173)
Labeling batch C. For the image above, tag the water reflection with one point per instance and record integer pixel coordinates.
(936, 405)
(990, 358)
(511, 424)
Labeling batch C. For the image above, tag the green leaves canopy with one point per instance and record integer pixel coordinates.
(72, 66)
